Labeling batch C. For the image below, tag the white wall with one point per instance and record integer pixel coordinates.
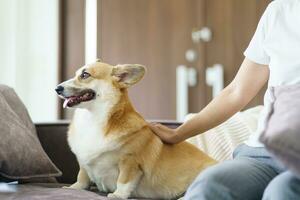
(29, 53)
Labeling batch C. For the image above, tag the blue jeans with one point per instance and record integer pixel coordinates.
(252, 175)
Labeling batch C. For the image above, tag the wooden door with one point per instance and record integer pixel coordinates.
(72, 14)
(155, 33)
(233, 23)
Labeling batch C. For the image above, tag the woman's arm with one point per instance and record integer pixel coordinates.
(250, 78)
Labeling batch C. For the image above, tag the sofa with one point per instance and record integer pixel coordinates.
(53, 138)
(18, 135)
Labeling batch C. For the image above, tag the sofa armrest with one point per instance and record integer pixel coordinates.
(53, 137)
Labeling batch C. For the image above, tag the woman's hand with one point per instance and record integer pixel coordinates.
(166, 134)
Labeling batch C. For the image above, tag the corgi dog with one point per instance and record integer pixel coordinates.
(114, 145)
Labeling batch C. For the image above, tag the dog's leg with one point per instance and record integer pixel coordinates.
(128, 179)
(83, 180)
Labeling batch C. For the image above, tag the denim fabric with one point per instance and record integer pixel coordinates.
(252, 175)
(260, 154)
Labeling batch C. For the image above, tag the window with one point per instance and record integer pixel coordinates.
(29, 53)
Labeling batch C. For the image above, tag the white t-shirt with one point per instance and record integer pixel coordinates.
(276, 43)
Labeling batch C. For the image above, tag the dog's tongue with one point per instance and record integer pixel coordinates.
(66, 102)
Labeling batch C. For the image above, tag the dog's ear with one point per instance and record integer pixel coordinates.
(128, 74)
(98, 60)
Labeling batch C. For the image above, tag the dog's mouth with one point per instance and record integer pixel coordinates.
(86, 95)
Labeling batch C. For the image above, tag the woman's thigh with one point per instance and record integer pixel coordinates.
(284, 186)
(242, 178)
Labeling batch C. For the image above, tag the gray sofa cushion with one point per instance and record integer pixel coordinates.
(21, 154)
(52, 192)
(281, 135)
(36, 192)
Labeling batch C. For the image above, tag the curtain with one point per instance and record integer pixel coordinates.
(29, 38)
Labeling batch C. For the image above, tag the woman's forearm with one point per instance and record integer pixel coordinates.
(217, 111)
(249, 80)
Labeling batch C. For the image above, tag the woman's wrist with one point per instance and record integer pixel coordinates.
(186, 130)
(178, 135)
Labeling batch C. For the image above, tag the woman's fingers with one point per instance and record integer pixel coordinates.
(152, 125)
(155, 128)
(166, 134)
(158, 126)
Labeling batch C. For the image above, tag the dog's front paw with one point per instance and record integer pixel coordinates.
(116, 195)
(77, 186)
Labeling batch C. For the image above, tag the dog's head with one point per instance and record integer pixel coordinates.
(97, 83)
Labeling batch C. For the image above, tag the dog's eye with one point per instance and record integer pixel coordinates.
(85, 75)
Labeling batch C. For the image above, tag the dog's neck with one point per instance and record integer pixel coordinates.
(121, 113)
(113, 115)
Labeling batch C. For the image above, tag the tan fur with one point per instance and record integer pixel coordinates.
(146, 167)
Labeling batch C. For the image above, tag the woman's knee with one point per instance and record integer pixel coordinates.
(209, 185)
(284, 186)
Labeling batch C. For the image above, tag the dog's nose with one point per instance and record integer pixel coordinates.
(59, 89)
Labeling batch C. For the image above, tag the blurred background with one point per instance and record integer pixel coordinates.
(192, 49)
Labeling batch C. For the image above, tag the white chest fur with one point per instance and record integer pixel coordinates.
(95, 153)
